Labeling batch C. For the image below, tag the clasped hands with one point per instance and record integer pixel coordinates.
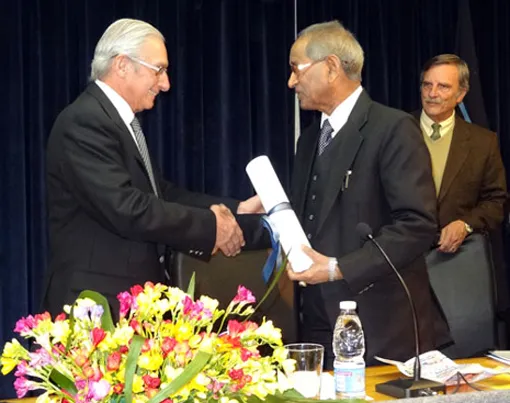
(229, 236)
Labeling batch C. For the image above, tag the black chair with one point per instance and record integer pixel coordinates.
(464, 285)
(220, 277)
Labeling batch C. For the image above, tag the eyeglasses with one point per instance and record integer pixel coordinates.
(158, 69)
(299, 69)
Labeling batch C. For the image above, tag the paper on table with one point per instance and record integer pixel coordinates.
(435, 366)
(268, 187)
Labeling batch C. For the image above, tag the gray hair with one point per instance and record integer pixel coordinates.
(453, 60)
(332, 38)
(126, 37)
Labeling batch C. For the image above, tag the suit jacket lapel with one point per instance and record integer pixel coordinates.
(459, 150)
(351, 140)
(113, 114)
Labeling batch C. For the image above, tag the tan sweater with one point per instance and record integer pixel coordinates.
(438, 150)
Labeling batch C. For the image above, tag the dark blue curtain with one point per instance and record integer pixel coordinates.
(228, 102)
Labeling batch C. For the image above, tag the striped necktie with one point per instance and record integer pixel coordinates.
(144, 152)
(325, 136)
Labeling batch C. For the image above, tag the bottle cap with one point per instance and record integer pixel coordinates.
(348, 305)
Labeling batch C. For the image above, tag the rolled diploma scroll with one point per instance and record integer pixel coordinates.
(268, 187)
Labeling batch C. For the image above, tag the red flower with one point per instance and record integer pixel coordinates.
(81, 360)
(118, 388)
(135, 290)
(168, 345)
(98, 336)
(236, 374)
(113, 361)
(151, 382)
(136, 326)
(123, 349)
(61, 317)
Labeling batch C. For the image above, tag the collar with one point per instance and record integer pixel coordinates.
(446, 125)
(342, 112)
(125, 111)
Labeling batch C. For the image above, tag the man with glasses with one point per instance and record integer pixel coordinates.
(360, 162)
(111, 214)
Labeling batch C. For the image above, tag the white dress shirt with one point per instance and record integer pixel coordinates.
(341, 113)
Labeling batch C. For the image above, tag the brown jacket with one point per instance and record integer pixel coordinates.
(473, 188)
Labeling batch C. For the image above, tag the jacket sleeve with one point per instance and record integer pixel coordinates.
(92, 165)
(488, 213)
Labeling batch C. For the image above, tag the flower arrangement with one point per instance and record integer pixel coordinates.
(166, 347)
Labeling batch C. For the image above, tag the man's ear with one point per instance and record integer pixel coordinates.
(335, 67)
(121, 65)
(460, 97)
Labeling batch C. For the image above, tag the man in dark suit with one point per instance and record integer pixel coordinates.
(111, 214)
(466, 163)
(363, 162)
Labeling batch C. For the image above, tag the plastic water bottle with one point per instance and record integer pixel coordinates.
(349, 348)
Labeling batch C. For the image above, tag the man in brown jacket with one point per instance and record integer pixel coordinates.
(468, 172)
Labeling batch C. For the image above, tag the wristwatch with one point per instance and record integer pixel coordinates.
(332, 263)
(469, 228)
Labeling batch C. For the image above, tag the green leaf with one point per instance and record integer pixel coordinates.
(131, 361)
(273, 284)
(106, 319)
(192, 370)
(63, 382)
(191, 286)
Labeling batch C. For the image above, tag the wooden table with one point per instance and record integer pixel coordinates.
(375, 375)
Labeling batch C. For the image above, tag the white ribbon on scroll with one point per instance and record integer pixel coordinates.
(269, 188)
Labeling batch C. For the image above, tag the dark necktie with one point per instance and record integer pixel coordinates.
(325, 136)
(436, 131)
(144, 152)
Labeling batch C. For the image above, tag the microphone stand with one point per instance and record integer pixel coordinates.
(405, 387)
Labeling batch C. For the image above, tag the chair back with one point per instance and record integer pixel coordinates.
(464, 285)
(220, 277)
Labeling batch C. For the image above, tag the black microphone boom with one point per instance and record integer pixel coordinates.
(402, 388)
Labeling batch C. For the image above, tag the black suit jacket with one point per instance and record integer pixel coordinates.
(391, 189)
(107, 227)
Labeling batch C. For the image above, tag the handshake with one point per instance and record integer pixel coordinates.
(229, 236)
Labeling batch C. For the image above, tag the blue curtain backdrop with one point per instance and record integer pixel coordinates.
(228, 103)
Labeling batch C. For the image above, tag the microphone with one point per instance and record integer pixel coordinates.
(403, 388)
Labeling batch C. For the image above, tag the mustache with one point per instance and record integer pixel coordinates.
(433, 101)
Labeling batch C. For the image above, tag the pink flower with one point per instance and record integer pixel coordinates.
(99, 390)
(244, 295)
(97, 335)
(25, 325)
(81, 384)
(40, 358)
(21, 369)
(187, 305)
(126, 300)
(23, 385)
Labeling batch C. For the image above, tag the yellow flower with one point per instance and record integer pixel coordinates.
(8, 364)
(209, 303)
(151, 360)
(270, 333)
(108, 344)
(60, 332)
(122, 335)
(138, 386)
(183, 331)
